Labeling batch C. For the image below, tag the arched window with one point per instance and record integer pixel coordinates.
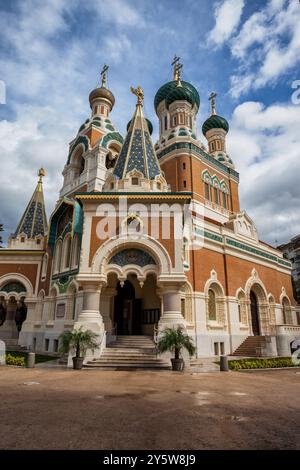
(216, 196)
(78, 162)
(212, 305)
(286, 311)
(57, 256)
(272, 309)
(216, 304)
(166, 122)
(224, 200)
(207, 191)
(66, 252)
(45, 266)
(133, 225)
(75, 252)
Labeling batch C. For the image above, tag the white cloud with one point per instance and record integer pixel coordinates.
(117, 11)
(267, 46)
(264, 143)
(227, 18)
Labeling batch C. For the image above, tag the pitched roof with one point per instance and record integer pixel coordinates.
(34, 221)
(138, 151)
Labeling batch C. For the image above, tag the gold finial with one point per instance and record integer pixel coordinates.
(212, 99)
(103, 75)
(139, 92)
(176, 70)
(41, 174)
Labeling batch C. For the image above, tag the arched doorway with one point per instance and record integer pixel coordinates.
(254, 314)
(135, 306)
(126, 310)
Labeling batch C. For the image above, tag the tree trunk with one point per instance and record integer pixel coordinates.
(177, 352)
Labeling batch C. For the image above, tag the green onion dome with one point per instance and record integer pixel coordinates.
(149, 123)
(215, 122)
(171, 92)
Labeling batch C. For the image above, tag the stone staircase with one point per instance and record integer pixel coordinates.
(130, 353)
(251, 347)
(12, 345)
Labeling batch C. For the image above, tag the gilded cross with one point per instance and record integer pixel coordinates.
(212, 99)
(103, 75)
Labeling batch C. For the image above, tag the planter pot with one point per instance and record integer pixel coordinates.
(77, 363)
(177, 364)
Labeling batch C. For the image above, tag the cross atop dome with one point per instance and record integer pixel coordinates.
(212, 99)
(104, 75)
(177, 70)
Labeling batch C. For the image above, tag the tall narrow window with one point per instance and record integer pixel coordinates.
(175, 121)
(184, 184)
(212, 306)
(224, 198)
(183, 166)
(166, 123)
(207, 191)
(190, 119)
(216, 196)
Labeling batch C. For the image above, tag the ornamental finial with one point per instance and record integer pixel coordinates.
(103, 75)
(139, 92)
(177, 70)
(212, 99)
(41, 174)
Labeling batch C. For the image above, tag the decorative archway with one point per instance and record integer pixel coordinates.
(257, 305)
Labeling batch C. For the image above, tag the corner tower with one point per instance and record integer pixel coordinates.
(176, 104)
(94, 150)
(137, 167)
(32, 228)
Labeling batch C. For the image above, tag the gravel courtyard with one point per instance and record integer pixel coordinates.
(66, 409)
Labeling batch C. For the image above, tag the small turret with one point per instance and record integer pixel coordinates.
(215, 129)
(32, 227)
(101, 99)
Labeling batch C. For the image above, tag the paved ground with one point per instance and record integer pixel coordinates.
(66, 409)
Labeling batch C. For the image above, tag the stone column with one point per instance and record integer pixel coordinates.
(27, 330)
(90, 318)
(9, 328)
(171, 314)
(106, 299)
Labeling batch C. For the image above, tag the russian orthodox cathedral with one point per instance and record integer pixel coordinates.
(147, 236)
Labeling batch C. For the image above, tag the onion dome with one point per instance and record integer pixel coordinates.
(149, 123)
(215, 122)
(102, 93)
(171, 92)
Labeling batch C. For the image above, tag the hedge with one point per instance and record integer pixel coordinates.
(15, 360)
(254, 363)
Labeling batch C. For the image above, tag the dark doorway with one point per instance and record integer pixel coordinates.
(254, 314)
(127, 310)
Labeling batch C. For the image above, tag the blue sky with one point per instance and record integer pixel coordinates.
(247, 51)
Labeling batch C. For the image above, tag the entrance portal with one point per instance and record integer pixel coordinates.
(254, 314)
(128, 315)
(136, 307)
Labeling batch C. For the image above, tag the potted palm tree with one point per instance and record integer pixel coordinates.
(79, 341)
(175, 340)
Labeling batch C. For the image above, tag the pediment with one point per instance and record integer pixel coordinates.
(242, 225)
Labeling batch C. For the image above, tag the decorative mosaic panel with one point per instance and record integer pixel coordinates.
(13, 287)
(153, 165)
(119, 167)
(132, 256)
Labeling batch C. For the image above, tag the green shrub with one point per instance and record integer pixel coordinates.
(255, 363)
(15, 360)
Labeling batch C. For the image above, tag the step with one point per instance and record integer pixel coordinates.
(125, 366)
